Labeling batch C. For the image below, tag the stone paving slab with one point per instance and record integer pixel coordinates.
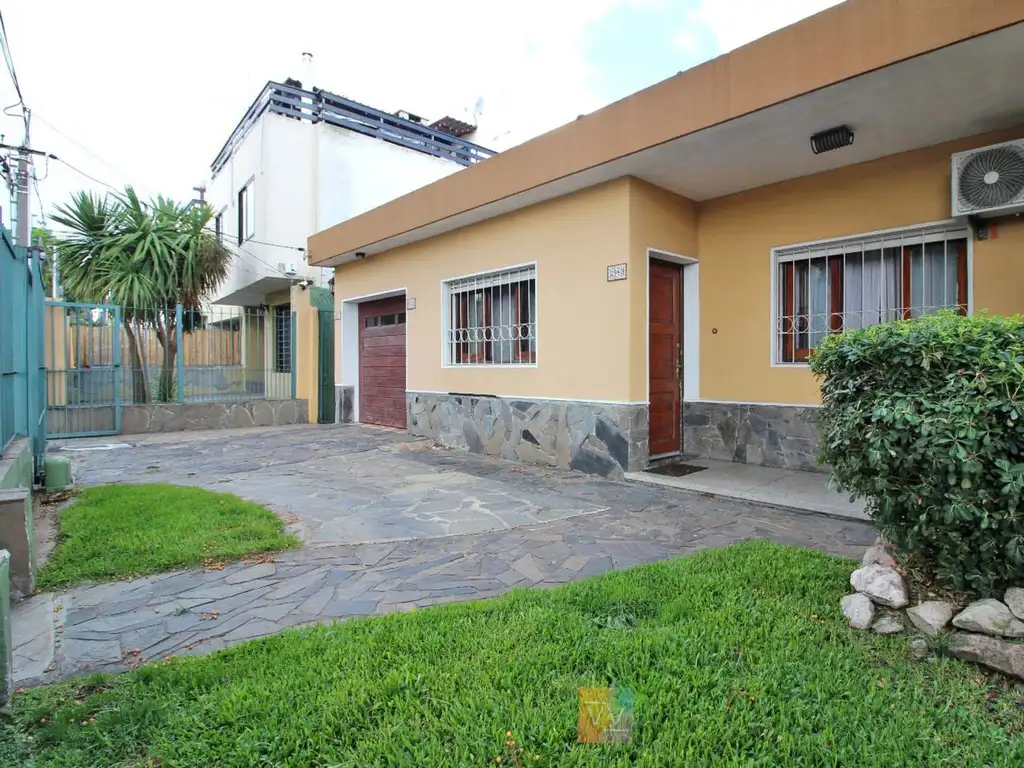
(140, 621)
(392, 524)
(347, 483)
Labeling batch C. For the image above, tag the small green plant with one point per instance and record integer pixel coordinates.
(925, 419)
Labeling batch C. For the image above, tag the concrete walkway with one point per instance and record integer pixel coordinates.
(581, 526)
(779, 488)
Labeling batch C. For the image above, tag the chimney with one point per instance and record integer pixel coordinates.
(309, 70)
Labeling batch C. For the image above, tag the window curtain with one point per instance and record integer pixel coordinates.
(817, 320)
(933, 278)
(870, 287)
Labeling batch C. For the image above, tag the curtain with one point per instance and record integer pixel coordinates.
(817, 320)
(871, 287)
(933, 278)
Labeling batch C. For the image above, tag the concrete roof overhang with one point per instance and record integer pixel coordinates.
(965, 84)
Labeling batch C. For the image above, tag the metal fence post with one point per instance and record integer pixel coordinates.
(180, 358)
(292, 350)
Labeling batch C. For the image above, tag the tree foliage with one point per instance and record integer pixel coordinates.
(147, 257)
(925, 419)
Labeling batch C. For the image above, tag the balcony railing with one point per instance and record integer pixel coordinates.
(322, 106)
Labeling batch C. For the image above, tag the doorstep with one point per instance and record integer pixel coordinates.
(783, 488)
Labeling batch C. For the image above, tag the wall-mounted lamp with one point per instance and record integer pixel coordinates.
(834, 138)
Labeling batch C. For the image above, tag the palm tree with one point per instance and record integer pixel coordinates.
(147, 257)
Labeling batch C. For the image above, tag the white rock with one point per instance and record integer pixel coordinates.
(1006, 657)
(930, 617)
(883, 585)
(877, 555)
(887, 625)
(859, 610)
(1014, 599)
(990, 617)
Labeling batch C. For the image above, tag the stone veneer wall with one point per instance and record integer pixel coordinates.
(601, 439)
(772, 435)
(175, 417)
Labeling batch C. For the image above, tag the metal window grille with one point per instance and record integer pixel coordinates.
(843, 284)
(283, 338)
(491, 319)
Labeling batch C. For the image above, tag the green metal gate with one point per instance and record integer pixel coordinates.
(83, 378)
(325, 367)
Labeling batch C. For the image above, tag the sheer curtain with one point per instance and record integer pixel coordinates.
(817, 321)
(870, 287)
(933, 278)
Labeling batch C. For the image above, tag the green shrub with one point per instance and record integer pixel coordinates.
(924, 419)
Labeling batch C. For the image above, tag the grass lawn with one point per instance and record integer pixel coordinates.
(114, 531)
(736, 657)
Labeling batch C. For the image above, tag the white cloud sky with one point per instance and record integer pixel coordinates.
(154, 89)
(734, 23)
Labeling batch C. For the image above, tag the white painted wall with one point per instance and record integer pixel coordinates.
(357, 173)
(307, 178)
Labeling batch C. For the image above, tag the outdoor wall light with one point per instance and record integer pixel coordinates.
(834, 138)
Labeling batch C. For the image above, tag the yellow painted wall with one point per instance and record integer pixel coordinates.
(736, 235)
(592, 333)
(662, 220)
(307, 360)
(584, 329)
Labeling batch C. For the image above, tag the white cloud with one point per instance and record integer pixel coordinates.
(734, 23)
(156, 88)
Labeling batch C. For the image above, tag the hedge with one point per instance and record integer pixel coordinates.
(924, 418)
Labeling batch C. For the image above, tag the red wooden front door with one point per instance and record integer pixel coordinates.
(664, 352)
(382, 362)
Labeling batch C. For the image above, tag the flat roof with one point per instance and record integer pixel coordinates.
(844, 42)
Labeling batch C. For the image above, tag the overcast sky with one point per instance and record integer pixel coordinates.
(139, 92)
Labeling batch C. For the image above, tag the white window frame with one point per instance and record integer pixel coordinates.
(246, 198)
(446, 286)
(949, 229)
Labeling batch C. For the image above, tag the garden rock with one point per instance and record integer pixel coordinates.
(930, 617)
(883, 585)
(990, 617)
(919, 647)
(877, 555)
(859, 610)
(1000, 655)
(887, 625)
(1014, 599)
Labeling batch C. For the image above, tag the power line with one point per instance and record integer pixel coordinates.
(81, 146)
(83, 173)
(9, 60)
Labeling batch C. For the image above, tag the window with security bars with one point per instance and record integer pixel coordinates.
(491, 319)
(834, 286)
(283, 338)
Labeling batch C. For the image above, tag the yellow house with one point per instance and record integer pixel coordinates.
(649, 279)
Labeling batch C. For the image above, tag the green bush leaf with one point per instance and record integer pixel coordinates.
(922, 419)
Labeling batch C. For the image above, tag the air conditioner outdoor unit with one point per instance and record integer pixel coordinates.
(989, 181)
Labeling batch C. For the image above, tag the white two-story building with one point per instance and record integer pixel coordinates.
(299, 161)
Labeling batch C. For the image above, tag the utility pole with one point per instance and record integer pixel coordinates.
(24, 214)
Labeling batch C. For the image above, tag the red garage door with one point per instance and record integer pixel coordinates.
(382, 362)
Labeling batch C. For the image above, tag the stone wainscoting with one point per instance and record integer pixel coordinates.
(344, 397)
(175, 417)
(772, 435)
(598, 438)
